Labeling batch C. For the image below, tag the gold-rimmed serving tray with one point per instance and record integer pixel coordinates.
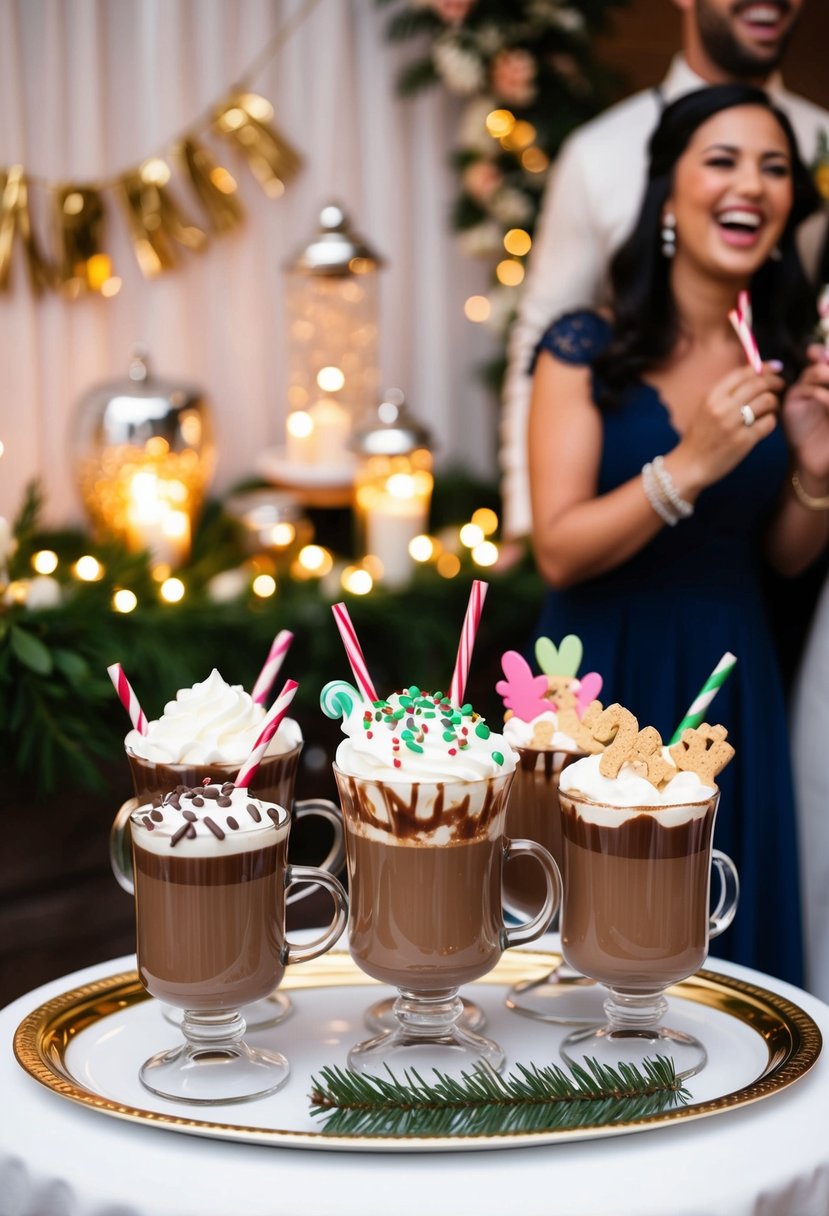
(86, 1045)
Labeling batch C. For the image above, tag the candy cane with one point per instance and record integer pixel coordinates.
(740, 318)
(354, 652)
(272, 724)
(471, 620)
(270, 670)
(127, 697)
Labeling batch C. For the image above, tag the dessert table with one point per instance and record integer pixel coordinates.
(768, 1156)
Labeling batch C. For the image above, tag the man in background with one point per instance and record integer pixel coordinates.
(593, 195)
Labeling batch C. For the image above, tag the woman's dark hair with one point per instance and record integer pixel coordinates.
(646, 325)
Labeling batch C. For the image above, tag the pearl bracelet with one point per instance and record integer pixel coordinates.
(807, 500)
(666, 512)
(669, 490)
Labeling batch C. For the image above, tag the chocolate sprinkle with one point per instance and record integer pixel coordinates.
(182, 831)
(148, 823)
(273, 814)
(232, 823)
(214, 827)
(190, 816)
(210, 791)
(223, 800)
(198, 800)
(157, 816)
(253, 811)
(228, 787)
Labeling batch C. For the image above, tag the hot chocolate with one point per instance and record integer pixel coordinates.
(210, 914)
(636, 909)
(424, 916)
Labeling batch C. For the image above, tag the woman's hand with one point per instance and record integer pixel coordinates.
(806, 417)
(741, 409)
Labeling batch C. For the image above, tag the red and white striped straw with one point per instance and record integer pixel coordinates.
(474, 608)
(354, 652)
(276, 656)
(740, 318)
(272, 723)
(127, 697)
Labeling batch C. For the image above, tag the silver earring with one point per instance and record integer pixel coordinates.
(668, 234)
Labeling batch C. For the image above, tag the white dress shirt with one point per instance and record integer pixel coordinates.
(590, 205)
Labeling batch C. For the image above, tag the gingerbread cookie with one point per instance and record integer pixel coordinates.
(702, 750)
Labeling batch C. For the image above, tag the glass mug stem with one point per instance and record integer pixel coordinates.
(516, 935)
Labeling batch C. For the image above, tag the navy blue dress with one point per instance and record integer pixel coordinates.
(655, 628)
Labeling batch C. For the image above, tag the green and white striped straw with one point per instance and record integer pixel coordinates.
(697, 708)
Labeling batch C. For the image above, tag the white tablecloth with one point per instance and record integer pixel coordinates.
(59, 1159)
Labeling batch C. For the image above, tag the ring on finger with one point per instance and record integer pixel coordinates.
(748, 415)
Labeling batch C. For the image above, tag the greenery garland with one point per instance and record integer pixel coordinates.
(60, 721)
(529, 67)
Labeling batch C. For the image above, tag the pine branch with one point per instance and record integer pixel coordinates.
(483, 1103)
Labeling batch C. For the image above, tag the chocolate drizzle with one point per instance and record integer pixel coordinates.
(405, 819)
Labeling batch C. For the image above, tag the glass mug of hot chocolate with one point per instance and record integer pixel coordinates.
(423, 786)
(205, 735)
(635, 913)
(211, 871)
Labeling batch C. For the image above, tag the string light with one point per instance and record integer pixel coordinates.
(45, 561)
(485, 554)
(264, 585)
(518, 242)
(477, 309)
(509, 272)
(422, 548)
(471, 535)
(315, 560)
(499, 123)
(124, 600)
(88, 569)
(357, 580)
(448, 565)
(486, 519)
(330, 379)
(172, 590)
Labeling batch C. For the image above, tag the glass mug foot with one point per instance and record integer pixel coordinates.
(633, 1032)
(270, 1011)
(564, 997)
(214, 1065)
(380, 1016)
(426, 1035)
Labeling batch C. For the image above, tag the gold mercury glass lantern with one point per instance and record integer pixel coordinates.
(144, 457)
(332, 317)
(393, 486)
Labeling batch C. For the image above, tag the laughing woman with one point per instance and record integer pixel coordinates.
(664, 469)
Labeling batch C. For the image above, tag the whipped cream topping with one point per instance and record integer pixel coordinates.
(211, 723)
(208, 821)
(417, 736)
(683, 793)
(524, 734)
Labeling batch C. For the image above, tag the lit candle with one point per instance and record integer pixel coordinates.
(332, 431)
(154, 525)
(299, 435)
(397, 514)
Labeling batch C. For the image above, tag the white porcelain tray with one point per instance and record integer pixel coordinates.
(87, 1044)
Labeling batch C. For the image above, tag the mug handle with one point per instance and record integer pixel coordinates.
(120, 847)
(515, 935)
(335, 859)
(723, 914)
(311, 874)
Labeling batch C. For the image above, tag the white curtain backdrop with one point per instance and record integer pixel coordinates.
(92, 87)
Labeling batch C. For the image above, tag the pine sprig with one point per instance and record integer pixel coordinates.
(531, 1099)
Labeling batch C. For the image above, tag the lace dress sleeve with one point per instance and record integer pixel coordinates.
(576, 338)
